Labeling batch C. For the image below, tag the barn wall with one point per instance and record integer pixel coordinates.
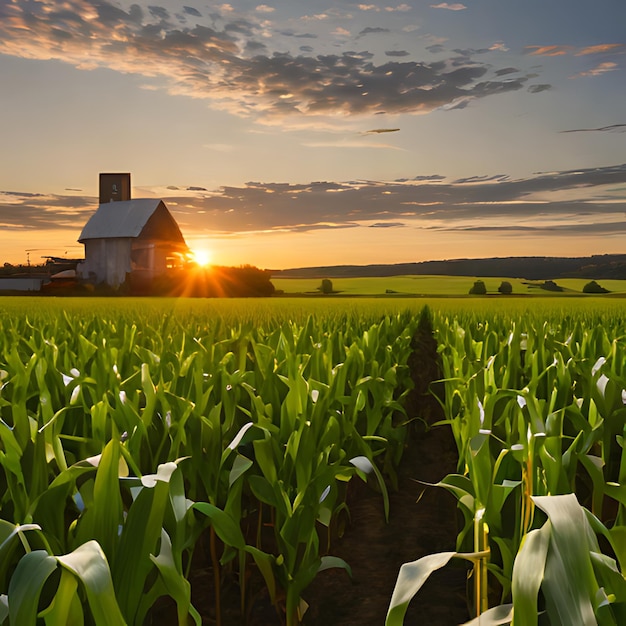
(106, 261)
(20, 284)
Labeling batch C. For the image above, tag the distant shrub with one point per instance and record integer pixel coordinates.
(550, 285)
(505, 287)
(326, 286)
(478, 288)
(594, 287)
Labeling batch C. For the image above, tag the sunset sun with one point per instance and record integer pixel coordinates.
(202, 257)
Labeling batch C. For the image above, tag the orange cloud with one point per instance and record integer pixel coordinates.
(549, 51)
(603, 47)
(602, 68)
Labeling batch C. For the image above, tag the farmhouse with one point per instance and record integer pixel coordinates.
(126, 237)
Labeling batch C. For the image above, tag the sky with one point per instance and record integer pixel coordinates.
(304, 132)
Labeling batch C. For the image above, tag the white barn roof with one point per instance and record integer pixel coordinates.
(119, 219)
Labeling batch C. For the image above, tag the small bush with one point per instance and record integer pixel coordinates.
(594, 287)
(478, 288)
(550, 285)
(326, 286)
(505, 287)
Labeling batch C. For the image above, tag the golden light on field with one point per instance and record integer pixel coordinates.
(202, 256)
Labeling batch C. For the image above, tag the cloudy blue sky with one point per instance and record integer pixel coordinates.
(304, 132)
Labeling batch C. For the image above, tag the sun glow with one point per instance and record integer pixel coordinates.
(202, 257)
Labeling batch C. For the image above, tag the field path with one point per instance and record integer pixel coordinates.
(376, 550)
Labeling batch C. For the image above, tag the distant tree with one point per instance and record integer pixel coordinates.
(550, 285)
(478, 288)
(326, 286)
(594, 287)
(505, 287)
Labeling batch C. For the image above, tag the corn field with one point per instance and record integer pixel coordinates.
(134, 431)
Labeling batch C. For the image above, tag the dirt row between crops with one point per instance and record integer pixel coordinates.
(376, 550)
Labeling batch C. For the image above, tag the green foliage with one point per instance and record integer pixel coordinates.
(478, 288)
(594, 287)
(505, 287)
(327, 286)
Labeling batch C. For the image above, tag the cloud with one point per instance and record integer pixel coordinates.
(549, 51)
(613, 128)
(506, 70)
(192, 11)
(559, 50)
(290, 33)
(387, 225)
(602, 68)
(375, 30)
(233, 66)
(538, 88)
(600, 48)
(396, 53)
(457, 6)
(263, 8)
(401, 7)
(381, 130)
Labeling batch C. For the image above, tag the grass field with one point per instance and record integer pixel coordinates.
(434, 285)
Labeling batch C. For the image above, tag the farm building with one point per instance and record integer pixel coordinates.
(129, 237)
(21, 283)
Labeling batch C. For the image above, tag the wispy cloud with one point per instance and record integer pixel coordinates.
(613, 128)
(560, 50)
(232, 66)
(600, 48)
(373, 30)
(549, 51)
(457, 6)
(403, 8)
(601, 68)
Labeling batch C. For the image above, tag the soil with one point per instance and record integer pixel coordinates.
(375, 550)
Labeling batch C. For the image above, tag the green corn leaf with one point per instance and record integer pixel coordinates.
(497, 616)
(528, 571)
(89, 564)
(174, 582)
(140, 534)
(331, 562)
(569, 583)
(30, 575)
(410, 580)
(101, 520)
(66, 608)
(225, 527)
(4, 607)
(265, 562)
(240, 466)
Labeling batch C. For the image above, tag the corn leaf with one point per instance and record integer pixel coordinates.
(31, 573)
(89, 564)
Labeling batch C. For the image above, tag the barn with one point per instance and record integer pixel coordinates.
(129, 237)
